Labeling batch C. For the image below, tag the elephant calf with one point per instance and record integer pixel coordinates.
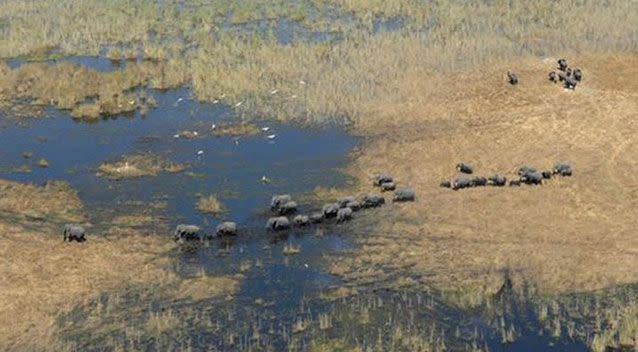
(445, 184)
(278, 223)
(404, 195)
(372, 201)
(187, 233)
(526, 169)
(344, 214)
(74, 233)
(227, 228)
(354, 205)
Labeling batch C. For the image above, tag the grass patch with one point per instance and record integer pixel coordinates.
(210, 205)
(236, 130)
(134, 166)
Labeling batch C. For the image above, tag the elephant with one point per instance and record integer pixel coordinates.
(461, 182)
(354, 205)
(578, 74)
(552, 77)
(526, 169)
(278, 223)
(301, 220)
(512, 78)
(343, 202)
(562, 169)
(227, 228)
(532, 178)
(479, 181)
(562, 64)
(388, 186)
(464, 168)
(74, 233)
(187, 233)
(344, 214)
(383, 178)
(279, 200)
(331, 210)
(372, 201)
(404, 195)
(288, 208)
(316, 217)
(498, 180)
(546, 174)
(445, 184)
(515, 183)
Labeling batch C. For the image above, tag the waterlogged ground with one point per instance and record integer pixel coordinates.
(284, 301)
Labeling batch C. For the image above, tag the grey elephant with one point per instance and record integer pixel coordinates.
(382, 178)
(343, 202)
(498, 180)
(562, 169)
(301, 220)
(288, 208)
(226, 228)
(546, 174)
(279, 200)
(461, 183)
(562, 64)
(187, 233)
(464, 168)
(404, 195)
(74, 233)
(479, 181)
(526, 169)
(372, 201)
(445, 184)
(354, 205)
(388, 186)
(578, 74)
(331, 210)
(344, 214)
(532, 178)
(316, 217)
(278, 223)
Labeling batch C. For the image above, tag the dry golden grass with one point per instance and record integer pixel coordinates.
(135, 166)
(42, 277)
(571, 234)
(210, 205)
(236, 130)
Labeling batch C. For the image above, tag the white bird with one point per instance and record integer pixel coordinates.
(200, 152)
(179, 100)
(272, 136)
(302, 82)
(214, 126)
(306, 265)
(236, 141)
(293, 96)
(238, 104)
(215, 101)
(223, 96)
(265, 179)
(176, 135)
(195, 133)
(265, 129)
(274, 92)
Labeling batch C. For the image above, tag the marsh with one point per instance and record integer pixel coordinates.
(129, 118)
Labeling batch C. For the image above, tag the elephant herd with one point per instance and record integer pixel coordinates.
(570, 77)
(527, 176)
(286, 216)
